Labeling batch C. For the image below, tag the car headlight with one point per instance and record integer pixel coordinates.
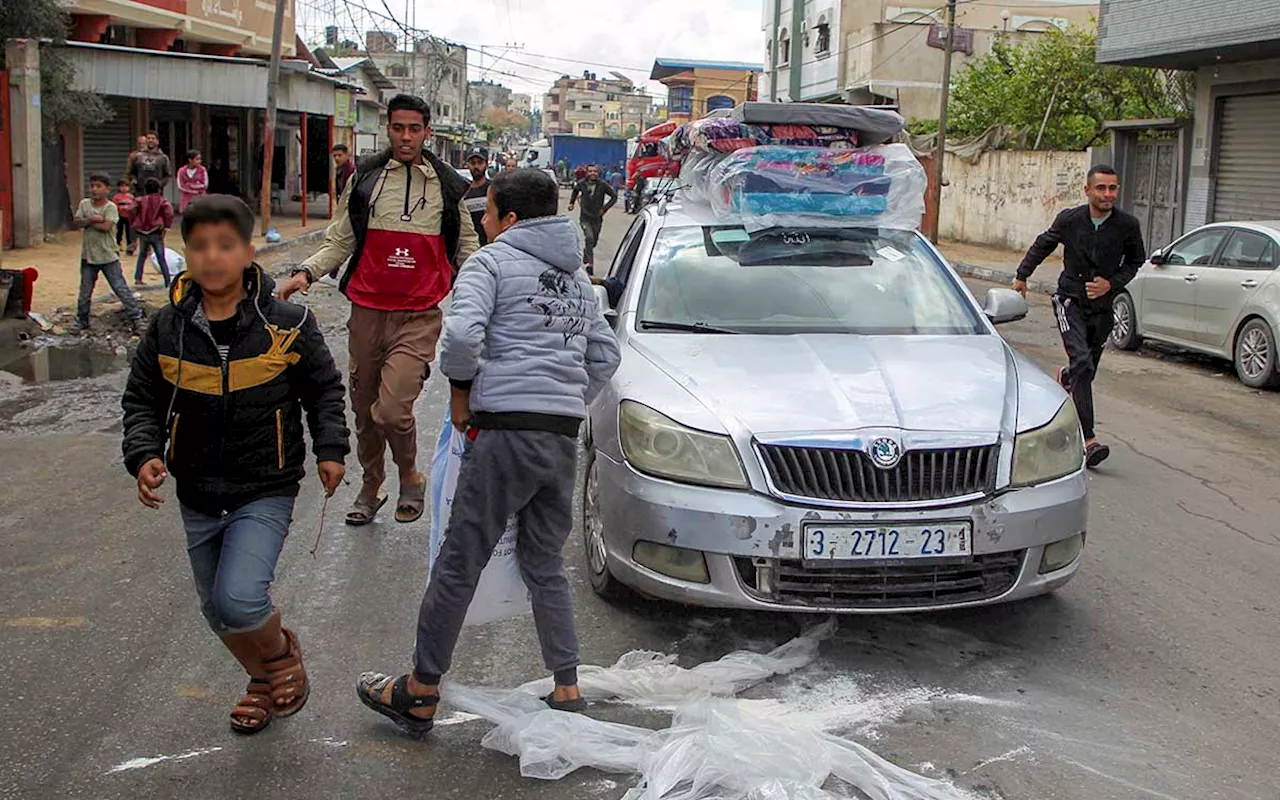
(1051, 451)
(661, 446)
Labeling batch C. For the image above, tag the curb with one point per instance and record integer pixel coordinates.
(318, 233)
(1002, 276)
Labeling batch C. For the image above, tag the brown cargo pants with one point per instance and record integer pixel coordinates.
(391, 355)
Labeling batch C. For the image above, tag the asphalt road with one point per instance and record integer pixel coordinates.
(1152, 675)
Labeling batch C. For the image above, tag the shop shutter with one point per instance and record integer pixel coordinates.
(1248, 170)
(107, 146)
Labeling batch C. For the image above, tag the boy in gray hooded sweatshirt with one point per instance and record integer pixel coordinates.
(525, 347)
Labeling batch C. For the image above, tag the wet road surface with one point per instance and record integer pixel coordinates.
(1151, 675)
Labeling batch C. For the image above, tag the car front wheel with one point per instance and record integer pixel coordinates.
(602, 581)
(1255, 356)
(1124, 330)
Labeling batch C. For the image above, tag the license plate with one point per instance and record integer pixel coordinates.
(845, 542)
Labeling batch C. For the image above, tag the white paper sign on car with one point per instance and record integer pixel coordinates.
(501, 593)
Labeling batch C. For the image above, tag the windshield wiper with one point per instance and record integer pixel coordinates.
(688, 327)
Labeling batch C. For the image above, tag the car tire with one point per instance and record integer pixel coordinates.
(602, 581)
(1124, 329)
(1255, 355)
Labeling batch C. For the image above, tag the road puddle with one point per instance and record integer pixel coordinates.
(51, 364)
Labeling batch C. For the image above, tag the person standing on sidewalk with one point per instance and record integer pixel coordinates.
(526, 347)
(216, 395)
(97, 217)
(402, 232)
(343, 168)
(151, 162)
(193, 180)
(477, 195)
(126, 204)
(1103, 251)
(597, 198)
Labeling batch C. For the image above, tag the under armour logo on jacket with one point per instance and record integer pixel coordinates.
(402, 251)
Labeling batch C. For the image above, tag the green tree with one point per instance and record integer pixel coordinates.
(1057, 74)
(60, 103)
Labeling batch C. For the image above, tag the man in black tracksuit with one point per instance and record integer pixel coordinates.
(1102, 252)
(597, 198)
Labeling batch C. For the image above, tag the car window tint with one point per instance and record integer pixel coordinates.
(1247, 250)
(877, 282)
(1195, 250)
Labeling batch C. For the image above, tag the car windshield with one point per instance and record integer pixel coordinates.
(846, 280)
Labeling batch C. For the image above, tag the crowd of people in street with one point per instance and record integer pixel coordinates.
(226, 372)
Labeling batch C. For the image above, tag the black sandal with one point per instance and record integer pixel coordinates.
(572, 706)
(370, 687)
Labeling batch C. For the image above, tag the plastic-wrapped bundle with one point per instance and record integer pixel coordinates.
(774, 186)
(695, 176)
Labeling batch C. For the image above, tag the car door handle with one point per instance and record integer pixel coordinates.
(1192, 278)
(1249, 283)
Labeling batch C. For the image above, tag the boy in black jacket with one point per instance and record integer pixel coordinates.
(1102, 251)
(215, 396)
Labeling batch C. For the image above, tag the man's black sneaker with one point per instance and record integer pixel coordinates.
(1095, 454)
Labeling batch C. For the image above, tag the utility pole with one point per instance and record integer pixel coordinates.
(269, 130)
(940, 146)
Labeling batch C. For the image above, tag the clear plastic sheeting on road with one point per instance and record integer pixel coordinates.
(713, 750)
(654, 680)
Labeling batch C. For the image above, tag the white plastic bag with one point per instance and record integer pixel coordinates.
(501, 593)
(172, 259)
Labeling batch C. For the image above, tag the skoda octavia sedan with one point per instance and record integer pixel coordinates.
(821, 420)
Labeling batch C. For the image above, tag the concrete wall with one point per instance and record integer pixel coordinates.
(1211, 82)
(1009, 197)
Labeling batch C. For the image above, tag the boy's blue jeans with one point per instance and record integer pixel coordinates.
(233, 558)
(146, 242)
(115, 279)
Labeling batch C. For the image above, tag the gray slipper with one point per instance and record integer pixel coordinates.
(363, 511)
(412, 501)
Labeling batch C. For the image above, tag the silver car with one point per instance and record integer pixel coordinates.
(1214, 291)
(822, 421)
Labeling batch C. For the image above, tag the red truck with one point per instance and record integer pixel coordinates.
(648, 158)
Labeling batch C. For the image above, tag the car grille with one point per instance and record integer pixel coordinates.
(851, 476)
(901, 586)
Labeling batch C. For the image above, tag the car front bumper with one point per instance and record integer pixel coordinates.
(751, 543)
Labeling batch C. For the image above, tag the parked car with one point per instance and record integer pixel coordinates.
(822, 420)
(1214, 291)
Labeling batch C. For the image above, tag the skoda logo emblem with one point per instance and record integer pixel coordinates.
(885, 453)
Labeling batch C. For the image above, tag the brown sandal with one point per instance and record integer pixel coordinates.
(364, 510)
(287, 677)
(253, 711)
(412, 501)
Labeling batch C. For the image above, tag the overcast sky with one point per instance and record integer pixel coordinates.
(610, 34)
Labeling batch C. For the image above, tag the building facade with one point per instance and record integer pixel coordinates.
(1232, 154)
(522, 104)
(695, 88)
(484, 95)
(436, 71)
(196, 75)
(611, 107)
(874, 52)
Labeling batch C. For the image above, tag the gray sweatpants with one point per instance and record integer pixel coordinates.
(527, 473)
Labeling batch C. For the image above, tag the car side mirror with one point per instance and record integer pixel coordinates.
(1157, 258)
(602, 300)
(1004, 305)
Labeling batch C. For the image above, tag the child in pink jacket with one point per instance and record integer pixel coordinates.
(193, 180)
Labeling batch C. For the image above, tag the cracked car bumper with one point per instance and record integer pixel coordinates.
(751, 545)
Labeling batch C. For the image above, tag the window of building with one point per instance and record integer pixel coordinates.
(784, 48)
(446, 111)
(584, 106)
(586, 126)
(719, 101)
(824, 36)
(399, 71)
(680, 99)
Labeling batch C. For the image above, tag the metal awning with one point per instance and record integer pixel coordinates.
(194, 78)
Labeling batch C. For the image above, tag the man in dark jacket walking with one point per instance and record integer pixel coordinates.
(1103, 251)
(597, 198)
(402, 233)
